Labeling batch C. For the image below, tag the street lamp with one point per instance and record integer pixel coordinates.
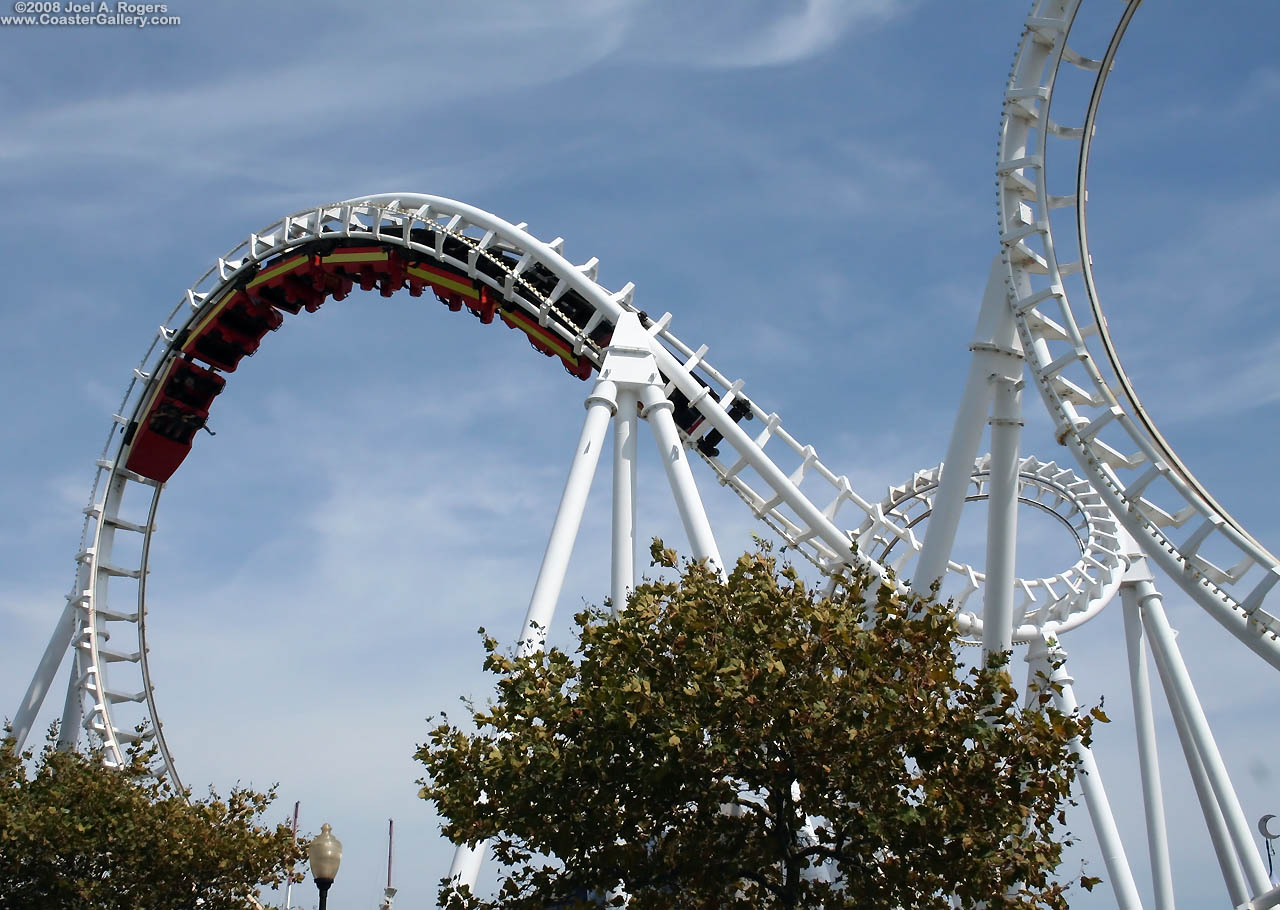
(324, 855)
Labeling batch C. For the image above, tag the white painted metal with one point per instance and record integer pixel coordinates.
(1145, 728)
(1266, 901)
(995, 333)
(776, 497)
(1181, 691)
(1232, 876)
(73, 704)
(1066, 599)
(657, 410)
(1096, 411)
(1026, 313)
(628, 376)
(63, 632)
(1002, 518)
(624, 500)
(1047, 658)
(546, 590)
(466, 864)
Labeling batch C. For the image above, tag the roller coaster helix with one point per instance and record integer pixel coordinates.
(1132, 510)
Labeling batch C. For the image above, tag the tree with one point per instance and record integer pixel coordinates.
(77, 834)
(752, 744)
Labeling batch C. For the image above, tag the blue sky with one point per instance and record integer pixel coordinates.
(807, 186)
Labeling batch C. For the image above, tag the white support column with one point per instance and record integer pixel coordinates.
(1232, 877)
(1048, 652)
(657, 410)
(465, 868)
(59, 642)
(601, 403)
(73, 706)
(628, 371)
(1179, 689)
(1002, 517)
(996, 353)
(555, 562)
(1145, 726)
(624, 500)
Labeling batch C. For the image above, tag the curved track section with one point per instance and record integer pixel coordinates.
(1063, 329)
(470, 260)
(1065, 600)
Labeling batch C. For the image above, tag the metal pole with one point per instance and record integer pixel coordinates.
(1095, 797)
(1179, 688)
(555, 562)
(624, 499)
(601, 403)
(996, 352)
(63, 633)
(465, 868)
(657, 410)
(73, 707)
(1002, 518)
(293, 828)
(1237, 891)
(1148, 763)
(388, 895)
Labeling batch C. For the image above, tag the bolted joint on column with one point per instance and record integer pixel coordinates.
(1006, 383)
(604, 392)
(1006, 409)
(654, 404)
(986, 347)
(628, 360)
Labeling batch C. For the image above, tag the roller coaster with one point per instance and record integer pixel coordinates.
(1138, 516)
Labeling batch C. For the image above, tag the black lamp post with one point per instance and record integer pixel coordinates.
(324, 855)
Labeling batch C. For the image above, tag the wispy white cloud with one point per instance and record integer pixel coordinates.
(757, 33)
(288, 116)
(806, 32)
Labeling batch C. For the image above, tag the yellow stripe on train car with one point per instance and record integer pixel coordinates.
(149, 402)
(431, 276)
(357, 256)
(280, 269)
(553, 341)
(209, 316)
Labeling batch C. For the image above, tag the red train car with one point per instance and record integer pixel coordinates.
(548, 342)
(290, 284)
(178, 408)
(231, 330)
(454, 289)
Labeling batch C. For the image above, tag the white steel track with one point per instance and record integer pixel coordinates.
(1136, 501)
(1070, 353)
(781, 479)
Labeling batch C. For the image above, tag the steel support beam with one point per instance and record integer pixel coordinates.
(63, 634)
(623, 569)
(1145, 727)
(1180, 690)
(1002, 517)
(657, 410)
(564, 532)
(997, 353)
(1047, 656)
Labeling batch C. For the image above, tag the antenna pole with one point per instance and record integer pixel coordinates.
(288, 889)
(390, 893)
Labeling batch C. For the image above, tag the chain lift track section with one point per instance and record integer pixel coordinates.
(565, 313)
(1070, 353)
